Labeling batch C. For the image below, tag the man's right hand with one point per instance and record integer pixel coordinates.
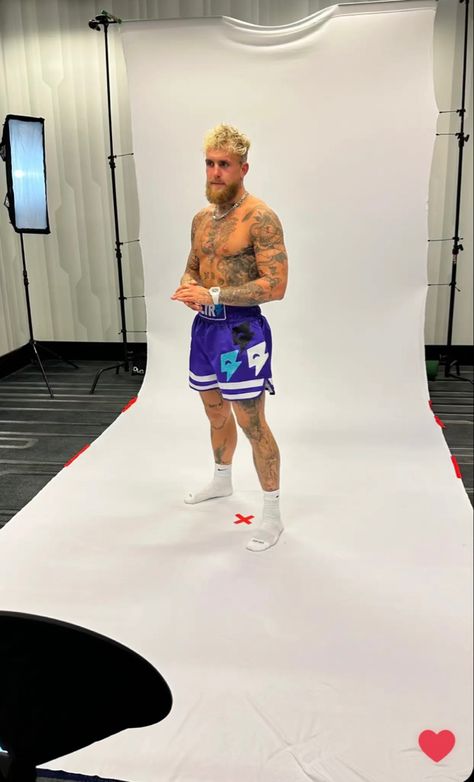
(191, 304)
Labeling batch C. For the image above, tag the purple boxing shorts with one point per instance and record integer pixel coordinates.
(231, 349)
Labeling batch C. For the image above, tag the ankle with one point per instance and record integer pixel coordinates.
(271, 496)
(221, 469)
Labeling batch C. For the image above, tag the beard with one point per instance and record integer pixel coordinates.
(222, 195)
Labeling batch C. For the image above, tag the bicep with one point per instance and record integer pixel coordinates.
(192, 264)
(270, 251)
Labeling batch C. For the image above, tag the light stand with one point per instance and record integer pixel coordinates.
(457, 247)
(22, 149)
(105, 19)
(32, 342)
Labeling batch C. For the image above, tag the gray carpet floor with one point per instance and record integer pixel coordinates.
(39, 434)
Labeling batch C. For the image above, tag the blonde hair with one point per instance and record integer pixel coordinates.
(229, 138)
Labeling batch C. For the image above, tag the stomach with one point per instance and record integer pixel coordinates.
(229, 270)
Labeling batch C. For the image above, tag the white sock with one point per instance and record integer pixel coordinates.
(271, 527)
(220, 486)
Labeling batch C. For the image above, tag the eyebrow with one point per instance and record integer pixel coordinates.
(221, 160)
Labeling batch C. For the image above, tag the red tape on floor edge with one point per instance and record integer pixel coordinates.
(77, 455)
(456, 466)
(440, 422)
(129, 404)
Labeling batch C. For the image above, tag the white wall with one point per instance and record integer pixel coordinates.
(54, 68)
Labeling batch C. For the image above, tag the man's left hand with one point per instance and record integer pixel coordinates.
(193, 293)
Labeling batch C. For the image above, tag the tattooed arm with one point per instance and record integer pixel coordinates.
(191, 273)
(266, 235)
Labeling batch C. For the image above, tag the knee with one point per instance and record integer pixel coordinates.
(256, 435)
(219, 414)
(254, 429)
(251, 419)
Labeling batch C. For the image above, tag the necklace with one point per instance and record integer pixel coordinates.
(219, 217)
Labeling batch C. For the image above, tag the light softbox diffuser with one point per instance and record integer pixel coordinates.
(22, 149)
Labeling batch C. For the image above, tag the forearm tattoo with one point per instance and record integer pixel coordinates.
(247, 295)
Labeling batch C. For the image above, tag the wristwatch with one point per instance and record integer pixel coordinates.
(215, 293)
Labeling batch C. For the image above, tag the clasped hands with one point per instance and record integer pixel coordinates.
(193, 295)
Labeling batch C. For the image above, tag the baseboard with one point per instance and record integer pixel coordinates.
(89, 351)
(464, 354)
(114, 351)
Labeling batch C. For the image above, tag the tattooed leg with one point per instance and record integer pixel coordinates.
(251, 417)
(223, 428)
(266, 456)
(224, 441)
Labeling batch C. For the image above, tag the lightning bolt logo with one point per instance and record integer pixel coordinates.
(229, 363)
(257, 356)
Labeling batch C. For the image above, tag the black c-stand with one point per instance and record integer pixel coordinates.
(32, 342)
(457, 247)
(105, 19)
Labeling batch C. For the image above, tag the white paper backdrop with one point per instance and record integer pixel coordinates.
(324, 658)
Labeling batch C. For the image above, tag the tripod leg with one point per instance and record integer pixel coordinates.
(42, 370)
(106, 369)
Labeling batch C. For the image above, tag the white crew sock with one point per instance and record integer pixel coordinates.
(271, 527)
(220, 486)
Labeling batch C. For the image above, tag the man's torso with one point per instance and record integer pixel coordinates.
(224, 247)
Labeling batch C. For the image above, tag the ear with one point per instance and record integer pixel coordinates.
(245, 168)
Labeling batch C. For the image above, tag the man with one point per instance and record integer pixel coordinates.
(237, 262)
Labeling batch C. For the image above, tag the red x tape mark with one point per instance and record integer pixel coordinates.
(243, 519)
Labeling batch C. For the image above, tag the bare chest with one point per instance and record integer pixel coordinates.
(225, 251)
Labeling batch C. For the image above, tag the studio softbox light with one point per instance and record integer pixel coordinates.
(22, 149)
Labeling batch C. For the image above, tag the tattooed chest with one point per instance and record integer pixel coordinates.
(226, 257)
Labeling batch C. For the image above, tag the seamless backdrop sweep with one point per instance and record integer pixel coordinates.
(327, 656)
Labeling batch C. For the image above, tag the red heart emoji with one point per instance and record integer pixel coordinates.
(436, 745)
